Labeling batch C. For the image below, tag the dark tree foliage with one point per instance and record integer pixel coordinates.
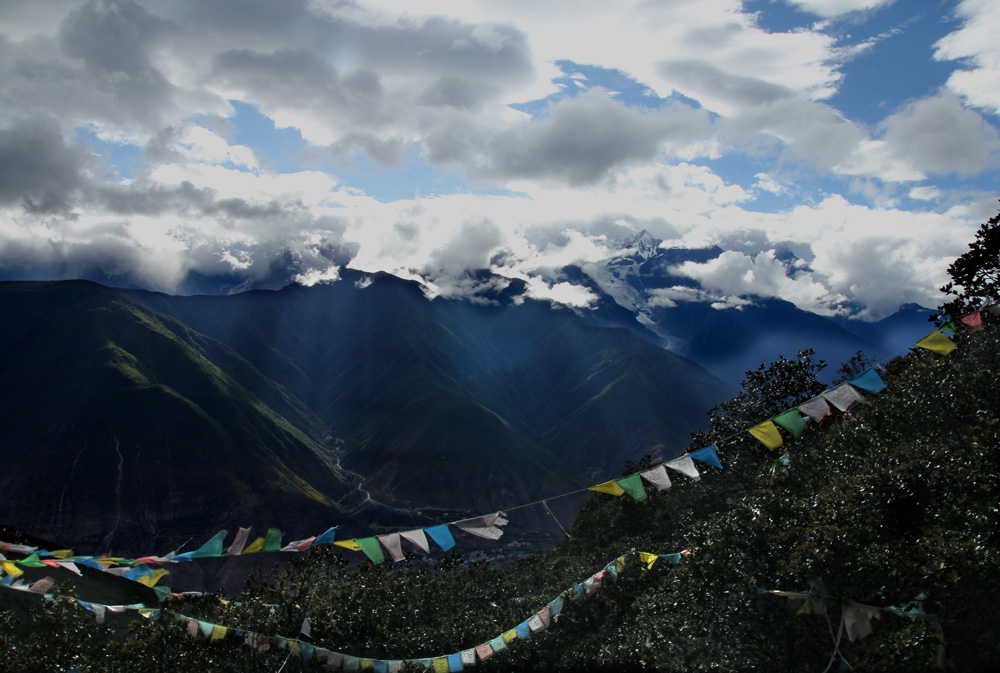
(856, 364)
(975, 275)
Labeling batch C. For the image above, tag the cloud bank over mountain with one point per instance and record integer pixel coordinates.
(842, 152)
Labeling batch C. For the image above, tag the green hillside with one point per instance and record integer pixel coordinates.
(124, 424)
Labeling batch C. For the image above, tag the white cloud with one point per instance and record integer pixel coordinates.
(975, 44)
(828, 8)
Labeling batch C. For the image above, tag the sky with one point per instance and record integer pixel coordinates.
(841, 152)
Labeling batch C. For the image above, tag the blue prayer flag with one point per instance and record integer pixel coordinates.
(707, 455)
(442, 536)
(868, 381)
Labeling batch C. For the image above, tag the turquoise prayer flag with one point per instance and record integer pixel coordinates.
(212, 548)
(707, 455)
(327, 537)
(442, 536)
(868, 381)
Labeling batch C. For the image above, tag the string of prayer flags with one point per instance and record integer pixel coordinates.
(484, 526)
(393, 546)
(869, 381)
(792, 421)
(658, 477)
(937, 342)
(442, 536)
(609, 487)
(843, 396)
(632, 485)
(707, 455)
(685, 466)
(767, 433)
(815, 409)
(973, 322)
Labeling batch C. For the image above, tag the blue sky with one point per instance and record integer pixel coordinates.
(263, 142)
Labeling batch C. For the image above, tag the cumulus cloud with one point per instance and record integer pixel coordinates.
(975, 45)
(579, 141)
(38, 169)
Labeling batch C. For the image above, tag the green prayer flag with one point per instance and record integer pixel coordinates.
(272, 541)
(31, 562)
(212, 548)
(632, 485)
(792, 421)
(371, 548)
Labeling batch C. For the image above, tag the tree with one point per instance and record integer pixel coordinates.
(975, 275)
(767, 391)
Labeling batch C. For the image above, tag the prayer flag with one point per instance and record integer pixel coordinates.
(326, 538)
(523, 630)
(63, 553)
(351, 664)
(334, 660)
(673, 558)
(254, 546)
(484, 526)
(236, 548)
(816, 409)
(509, 636)
(498, 644)
(418, 538)
(42, 586)
(371, 548)
(648, 559)
(31, 562)
(632, 485)
(210, 549)
(272, 541)
(535, 623)
(306, 628)
(455, 663)
(218, 633)
(843, 396)
(484, 651)
(707, 455)
(11, 569)
(307, 651)
(767, 433)
(193, 626)
(440, 664)
(151, 580)
(948, 327)
(610, 487)
(658, 477)
(442, 536)
(392, 545)
(857, 619)
(937, 342)
(206, 628)
(869, 381)
(469, 657)
(299, 545)
(367, 664)
(973, 322)
(348, 544)
(555, 607)
(380, 666)
(792, 421)
(545, 615)
(684, 465)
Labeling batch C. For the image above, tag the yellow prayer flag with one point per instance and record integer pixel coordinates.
(294, 647)
(767, 433)
(146, 612)
(608, 487)
(11, 569)
(367, 664)
(348, 544)
(63, 553)
(648, 559)
(620, 564)
(937, 342)
(254, 546)
(151, 580)
(218, 632)
(509, 636)
(440, 664)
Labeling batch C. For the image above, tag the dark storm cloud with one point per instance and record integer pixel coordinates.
(38, 169)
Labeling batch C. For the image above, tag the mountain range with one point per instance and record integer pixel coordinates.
(138, 418)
